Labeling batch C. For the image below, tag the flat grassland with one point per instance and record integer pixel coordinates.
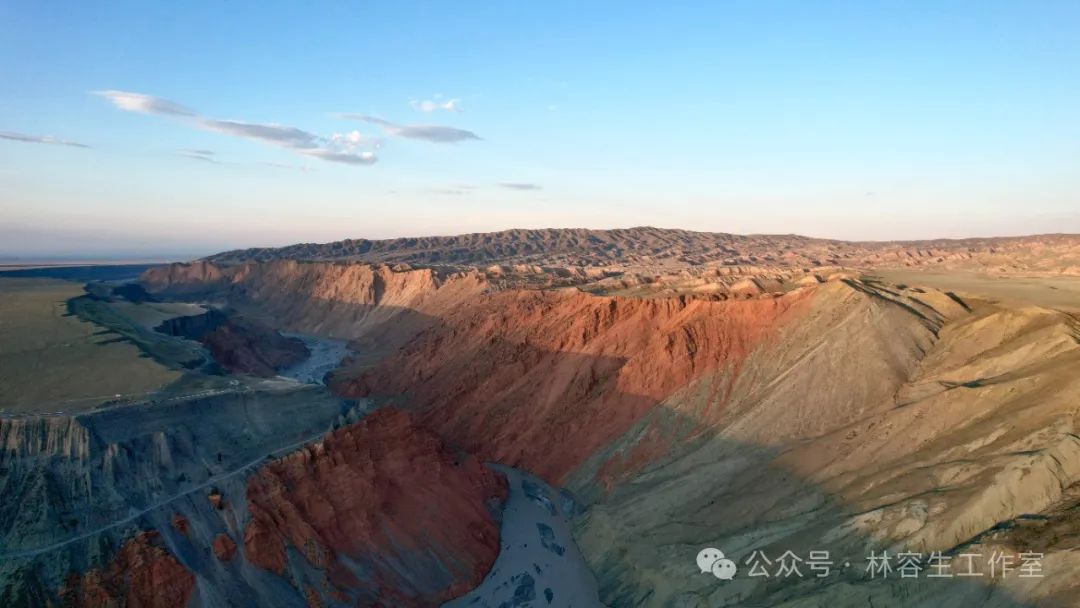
(149, 315)
(51, 361)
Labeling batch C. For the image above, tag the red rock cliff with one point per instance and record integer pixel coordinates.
(142, 574)
(390, 497)
(541, 380)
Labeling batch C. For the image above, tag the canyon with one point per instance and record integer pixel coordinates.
(647, 393)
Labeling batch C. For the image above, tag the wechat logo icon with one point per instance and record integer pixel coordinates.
(711, 560)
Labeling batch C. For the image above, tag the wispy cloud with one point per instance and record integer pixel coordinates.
(520, 186)
(287, 166)
(147, 104)
(432, 133)
(39, 139)
(432, 105)
(337, 148)
(278, 135)
(454, 190)
(203, 155)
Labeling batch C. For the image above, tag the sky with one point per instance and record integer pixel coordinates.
(134, 129)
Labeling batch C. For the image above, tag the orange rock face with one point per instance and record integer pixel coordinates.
(142, 574)
(388, 495)
(224, 547)
(541, 380)
(184, 278)
(382, 305)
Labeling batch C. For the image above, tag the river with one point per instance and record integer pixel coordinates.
(326, 355)
(539, 564)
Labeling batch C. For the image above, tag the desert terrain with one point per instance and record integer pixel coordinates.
(547, 418)
(1060, 292)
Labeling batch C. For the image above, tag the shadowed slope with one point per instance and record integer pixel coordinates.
(386, 497)
(972, 428)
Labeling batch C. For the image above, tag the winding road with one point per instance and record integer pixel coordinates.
(209, 482)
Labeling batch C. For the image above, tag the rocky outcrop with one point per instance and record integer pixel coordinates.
(251, 350)
(63, 491)
(237, 344)
(383, 512)
(42, 437)
(193, 327)
(141, 574)
(179, 523)
(224, 547)
(43, 461)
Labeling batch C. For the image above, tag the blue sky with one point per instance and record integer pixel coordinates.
(212, 125)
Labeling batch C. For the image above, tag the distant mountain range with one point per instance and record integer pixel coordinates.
(647, 246)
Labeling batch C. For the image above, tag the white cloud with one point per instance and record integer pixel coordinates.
(355, 138)
(351, 158)
(147, 104)
(431, 105)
